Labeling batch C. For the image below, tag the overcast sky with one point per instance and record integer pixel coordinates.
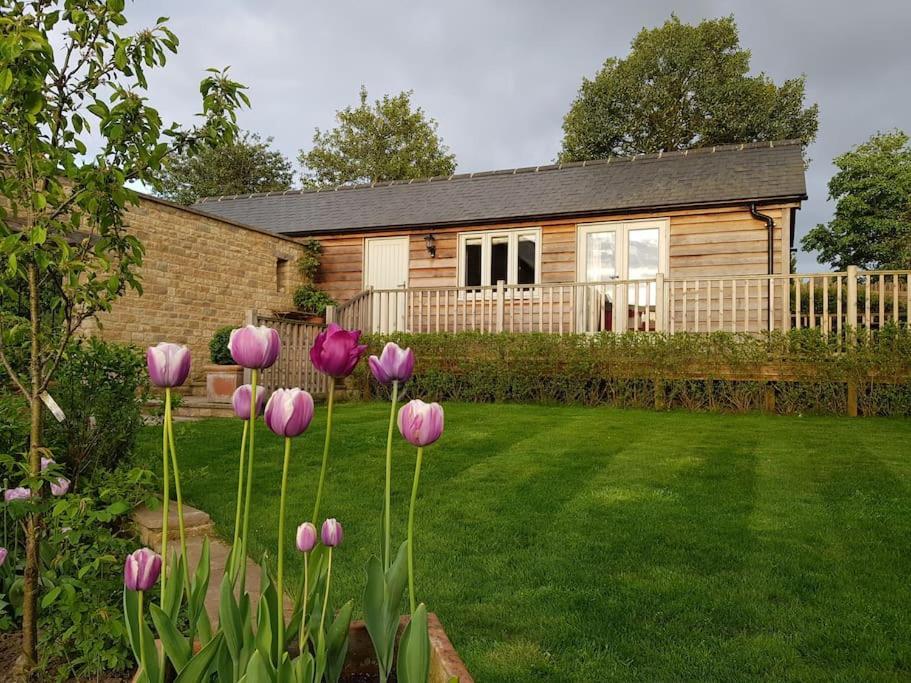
(498, 76)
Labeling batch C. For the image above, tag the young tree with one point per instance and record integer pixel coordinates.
(372, 143)
(683, 86)
(872, 191)
(75, 127)
(243, 166)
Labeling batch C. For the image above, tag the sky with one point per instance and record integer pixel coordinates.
(498, 76)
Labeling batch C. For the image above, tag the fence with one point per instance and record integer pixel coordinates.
(293, 367)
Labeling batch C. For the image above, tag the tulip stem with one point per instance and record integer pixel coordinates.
(242, 566)
(322, 472)
(180, 524)
(322, 619)
(414, 496)
(166, 495)
(142, 649)
(303, 628)
(387, 500)
(235, 547)
(281, 550)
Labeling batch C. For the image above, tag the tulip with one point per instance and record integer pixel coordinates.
(169, 364)
(47, 462)
(332, 533)
(306, 537)
(336, 351)
(289, 412)
(3, 553)
(394, 364)
(18, 493)
(306, 541)
(240, 401)
(254, 347)
(60, 487)
(421, 423)
(141, 569)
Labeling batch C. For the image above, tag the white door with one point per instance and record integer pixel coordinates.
(386, 271)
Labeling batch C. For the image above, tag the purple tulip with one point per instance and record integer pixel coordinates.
(332, 533)
(289, 411)
(3, 553)
(47, 462)
(254, 347)
(18, 493)
(169, 364)
(306, 537)
(60, 487)
(141, 570)
(421, 423)
(394, 364)
(336, 351)
(241, 401)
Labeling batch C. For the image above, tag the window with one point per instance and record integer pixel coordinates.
(486, 258)
(281, 274)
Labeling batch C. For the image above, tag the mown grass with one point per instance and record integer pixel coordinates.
(589, 544)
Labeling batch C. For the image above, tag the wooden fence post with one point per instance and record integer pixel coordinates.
(660, 303)
(852, 303)
(330, 314)
(501, 296)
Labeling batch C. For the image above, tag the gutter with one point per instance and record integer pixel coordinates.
(770, 225)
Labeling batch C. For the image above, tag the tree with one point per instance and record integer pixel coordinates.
(69, 80)
(373, 143)
(683, 86)
(872, 191)
(243, 166)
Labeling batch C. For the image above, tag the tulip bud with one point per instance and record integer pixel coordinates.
(169, 364)
(394, 364)
(18, 493)
(47, 462)
(3, 553)
(240, 400)
(306, 537)
(254, 347)
(421, 423)
(141, 570)
(289, 411)
(332, 533)
(60, 487)
(335, 351)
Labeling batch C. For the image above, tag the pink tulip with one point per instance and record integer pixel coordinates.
(289, 412)
(18, 493)
(60, 487)
(332, 533)
(336, 351)
(254, 347)
(421, 423)
(169, 364)
(3, 553)
(394, 364)
(141, 570)
(47, 462)
(306, 537)
(240, 400)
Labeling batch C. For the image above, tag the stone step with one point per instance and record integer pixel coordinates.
(149, 523)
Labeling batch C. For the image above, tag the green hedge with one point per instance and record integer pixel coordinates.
(718, 371)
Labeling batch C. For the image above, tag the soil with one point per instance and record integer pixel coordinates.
(9, 652)
(364, 678)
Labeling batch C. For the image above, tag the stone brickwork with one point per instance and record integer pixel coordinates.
(198, 274)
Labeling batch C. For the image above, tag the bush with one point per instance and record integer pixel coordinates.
(218, 346)
(13, 422)
(308, 263)
(312, 300)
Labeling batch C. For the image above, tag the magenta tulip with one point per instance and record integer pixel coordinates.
(332, 533)
(240, 400)
(3, 553)
(289, 412)
(60, 487)
(394, 364)
(421, 423)
(18, 493)
(306, 537)
(336, 351)
(141, 569)
(254, 347)
(169, 364)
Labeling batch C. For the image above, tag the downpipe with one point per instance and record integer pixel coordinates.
(770, 225)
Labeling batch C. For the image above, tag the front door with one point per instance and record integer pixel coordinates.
(386, 270)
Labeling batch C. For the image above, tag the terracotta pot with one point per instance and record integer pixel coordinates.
(221, 381)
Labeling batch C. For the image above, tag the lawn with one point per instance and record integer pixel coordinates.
(590, 544)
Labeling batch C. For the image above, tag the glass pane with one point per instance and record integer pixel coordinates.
(600, 259)
(473, 264)
(526, 267)
(499, 259)
(643, 253)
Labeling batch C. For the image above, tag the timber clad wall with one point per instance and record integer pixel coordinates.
(198, 274)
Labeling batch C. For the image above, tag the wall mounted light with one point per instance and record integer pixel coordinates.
(430, 241)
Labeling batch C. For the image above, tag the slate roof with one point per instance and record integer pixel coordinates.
(707, 176)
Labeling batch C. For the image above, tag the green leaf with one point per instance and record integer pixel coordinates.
(264, 637)
(175, 646)
(199, 665)
(50, 596)
(260, 670)
(6, 79)
(304, 668)
(337, 642)
(173, 596)
(131, 619)
(375, 598)
(230, 619)
(414, 649)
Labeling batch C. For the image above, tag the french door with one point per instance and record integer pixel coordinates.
(627, 252)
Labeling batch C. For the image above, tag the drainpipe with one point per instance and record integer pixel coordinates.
(770, 224)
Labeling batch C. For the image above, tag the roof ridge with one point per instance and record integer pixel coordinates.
(559, 166)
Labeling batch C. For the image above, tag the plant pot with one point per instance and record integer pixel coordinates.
(221, 381)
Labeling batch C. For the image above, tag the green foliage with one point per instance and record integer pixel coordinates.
(219, 353)
(312, 300)
(719, 371)
(387, 140)
(683, 86)
(101, 388)
(13, 423)
(308, 263)
(872, 191)
(241, 166)
(383, 605)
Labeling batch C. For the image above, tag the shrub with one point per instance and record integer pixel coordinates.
(312, 300)
(218, 346)
(13, 422)
(308, 263)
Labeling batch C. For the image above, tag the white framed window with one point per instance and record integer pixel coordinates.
(513, 256)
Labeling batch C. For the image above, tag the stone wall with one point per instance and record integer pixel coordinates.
(198, 274)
